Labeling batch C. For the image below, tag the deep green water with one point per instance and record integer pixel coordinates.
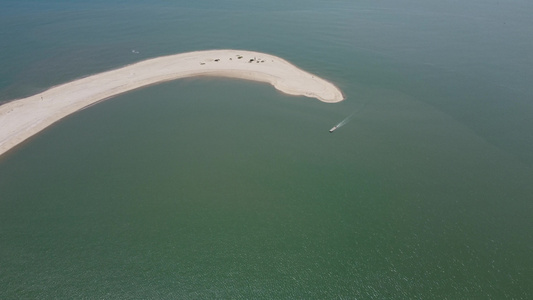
(215, 188)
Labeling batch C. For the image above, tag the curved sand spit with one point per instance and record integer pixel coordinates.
(20, 119)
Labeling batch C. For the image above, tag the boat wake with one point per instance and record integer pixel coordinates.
(348, 118)
(342, 123)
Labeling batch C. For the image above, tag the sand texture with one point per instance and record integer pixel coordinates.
(22, 118)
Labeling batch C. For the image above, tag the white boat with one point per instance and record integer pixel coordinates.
(332, 129)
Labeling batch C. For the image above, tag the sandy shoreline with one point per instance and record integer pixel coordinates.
(22, 118)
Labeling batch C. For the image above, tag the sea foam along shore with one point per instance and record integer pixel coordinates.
(22, 118)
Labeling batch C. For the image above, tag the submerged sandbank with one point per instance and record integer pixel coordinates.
(20, 119)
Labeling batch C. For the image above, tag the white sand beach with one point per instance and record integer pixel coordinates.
(22, 118)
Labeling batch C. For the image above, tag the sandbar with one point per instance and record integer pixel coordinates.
(22, 118)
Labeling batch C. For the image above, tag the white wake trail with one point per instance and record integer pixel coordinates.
(348, 118)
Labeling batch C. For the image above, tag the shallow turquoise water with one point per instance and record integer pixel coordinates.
(218, 188)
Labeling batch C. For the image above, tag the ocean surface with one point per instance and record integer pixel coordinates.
(212, 188)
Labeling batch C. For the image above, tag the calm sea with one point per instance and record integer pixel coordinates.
(210, 188)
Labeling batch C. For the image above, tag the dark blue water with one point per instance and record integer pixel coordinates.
(217, 188)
